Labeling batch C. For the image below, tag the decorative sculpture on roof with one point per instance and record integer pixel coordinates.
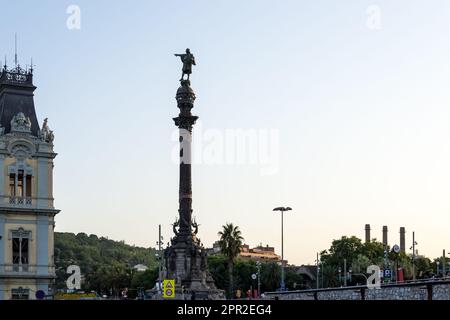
(46, 134)
(188, 60)
(21, 123)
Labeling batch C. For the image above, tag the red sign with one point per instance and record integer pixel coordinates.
(400, 275)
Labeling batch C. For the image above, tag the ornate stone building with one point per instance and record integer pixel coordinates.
(26, 191)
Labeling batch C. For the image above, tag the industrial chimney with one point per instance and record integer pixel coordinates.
(385, 236)
(367, 232)
(402, 239)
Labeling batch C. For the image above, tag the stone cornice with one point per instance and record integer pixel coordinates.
(26, 211)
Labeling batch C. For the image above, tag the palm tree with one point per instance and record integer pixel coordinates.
(230, 245)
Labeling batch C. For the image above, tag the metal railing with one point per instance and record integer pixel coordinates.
(24, 201)
(424, 283)
(21, 202)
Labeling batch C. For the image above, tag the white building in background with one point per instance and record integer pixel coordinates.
(27, 212)
(140, 268)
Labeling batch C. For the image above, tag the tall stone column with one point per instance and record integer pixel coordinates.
(385, 236)
(402, 239)
(185, 122)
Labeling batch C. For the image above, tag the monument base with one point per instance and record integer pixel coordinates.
(186, 263)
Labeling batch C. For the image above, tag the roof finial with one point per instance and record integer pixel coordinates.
(4, 66)
(15, 49)
(31, 66)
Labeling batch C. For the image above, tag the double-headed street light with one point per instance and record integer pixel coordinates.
(282, 210)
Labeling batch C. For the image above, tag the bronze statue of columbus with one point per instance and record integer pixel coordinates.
(188, 60)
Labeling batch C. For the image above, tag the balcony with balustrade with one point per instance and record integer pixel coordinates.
(25, 202)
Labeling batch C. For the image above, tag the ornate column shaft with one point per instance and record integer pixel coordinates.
(185, 121)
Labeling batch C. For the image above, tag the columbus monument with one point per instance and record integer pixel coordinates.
(186, 259)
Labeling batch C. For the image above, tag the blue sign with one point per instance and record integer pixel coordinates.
(387, 273)
(40, 294)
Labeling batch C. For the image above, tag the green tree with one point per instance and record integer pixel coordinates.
(330, 276)
(345, 248)
(243, 271)
(270, 276)
(360, 264)
(230, 245)
(359, 268)
(294, 281)
(424, 267)
(145, 280)
(374, 251)
(217, 264)
(405, 262)
(105, 264)
(358, 256)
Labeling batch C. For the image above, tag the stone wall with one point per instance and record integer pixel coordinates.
(441, 292)
(435, 290)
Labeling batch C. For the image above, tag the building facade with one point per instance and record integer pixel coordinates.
(27, 212)
(259, 253)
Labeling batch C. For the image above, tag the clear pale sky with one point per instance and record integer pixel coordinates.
(362, 115)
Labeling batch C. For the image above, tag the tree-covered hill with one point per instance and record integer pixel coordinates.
(105, 264)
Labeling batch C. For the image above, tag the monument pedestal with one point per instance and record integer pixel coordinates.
(186, 262)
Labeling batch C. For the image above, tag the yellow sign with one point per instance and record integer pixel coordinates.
(169, 289)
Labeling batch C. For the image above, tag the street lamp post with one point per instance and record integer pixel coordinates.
(350, 274)
(282, 210)
(444, 264)
(159, 255)
(340, 281)
(258, 267)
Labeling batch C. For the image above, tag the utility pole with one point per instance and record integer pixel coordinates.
(414, 257)
(160, 239)
(444, 264)
(317, 271)
(345, 272)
